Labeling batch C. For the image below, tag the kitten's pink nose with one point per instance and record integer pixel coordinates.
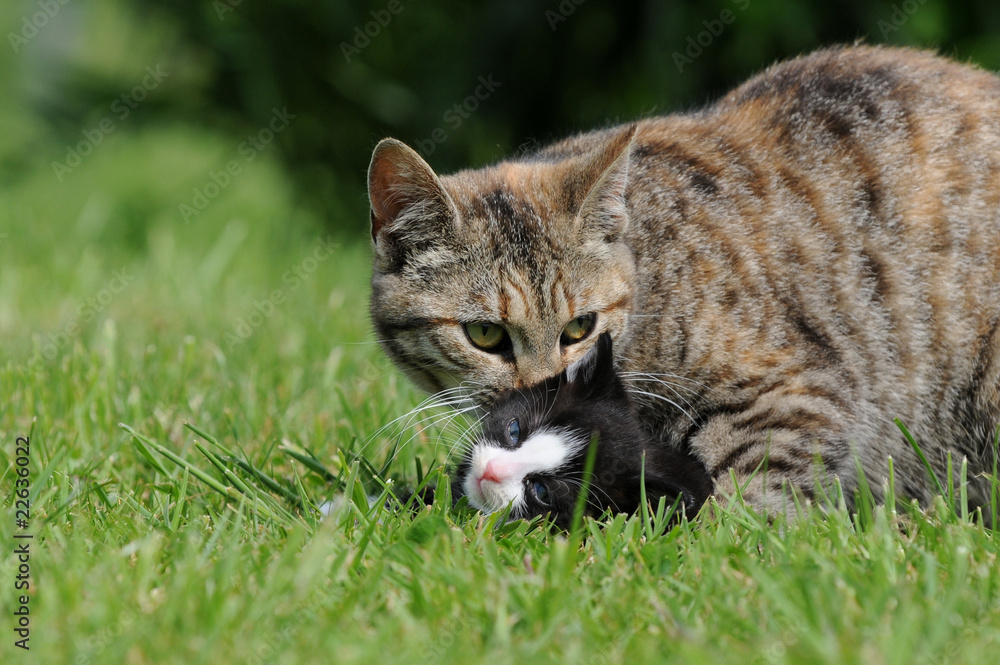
(490, 472)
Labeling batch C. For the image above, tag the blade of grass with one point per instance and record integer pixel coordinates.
(995, 482)
(890, 492)
(180, 461)
(582, 497)
(383, 472)
(310, 463)
(963, 489)
(43, 477)
(270, 483)
(101, 494)
(180, 498)
(864, 503)
(643, 503)
(244, 464)
(135, 505)
(208, 437)
(149, 457)
(916, 448)
(951, 483)
(271, 509)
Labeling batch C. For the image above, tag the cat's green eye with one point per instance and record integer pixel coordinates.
(578, 328)
(486, 336)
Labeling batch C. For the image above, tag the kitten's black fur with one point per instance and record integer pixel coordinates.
(594, 402)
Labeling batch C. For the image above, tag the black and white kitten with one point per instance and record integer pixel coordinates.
(533, 448)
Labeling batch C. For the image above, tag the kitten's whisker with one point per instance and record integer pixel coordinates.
(570, 480)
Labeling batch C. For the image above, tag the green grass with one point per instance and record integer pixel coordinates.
(138, 560)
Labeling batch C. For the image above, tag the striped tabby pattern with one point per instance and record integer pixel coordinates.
(783, 272)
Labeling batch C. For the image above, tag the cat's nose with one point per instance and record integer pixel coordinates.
(533, 373)
(490, 472)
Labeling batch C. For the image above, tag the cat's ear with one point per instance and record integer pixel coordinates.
(604, 212)
(407, 198)
(595, 372)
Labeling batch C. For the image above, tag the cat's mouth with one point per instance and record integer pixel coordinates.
(490, 484)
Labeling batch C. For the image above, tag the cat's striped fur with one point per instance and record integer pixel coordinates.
(783, 272)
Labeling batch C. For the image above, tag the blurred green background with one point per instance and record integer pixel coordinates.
(203, 140)
(183, 239)
(353, 72)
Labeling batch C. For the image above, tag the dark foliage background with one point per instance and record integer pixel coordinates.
(354, 72)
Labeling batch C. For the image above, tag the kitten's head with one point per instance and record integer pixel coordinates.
(500, 277)
(533, 448)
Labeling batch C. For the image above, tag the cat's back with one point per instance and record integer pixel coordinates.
(835, 217)
(859, 148)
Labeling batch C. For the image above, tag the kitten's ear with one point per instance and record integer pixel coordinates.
(406, 196)
(595, 371)
(660, 486)
(670, 473)
(604, 212)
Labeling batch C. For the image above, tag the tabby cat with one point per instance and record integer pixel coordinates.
(782, 273)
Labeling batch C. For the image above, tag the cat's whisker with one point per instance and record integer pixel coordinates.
(636, 391)
(448, 417)
(667, 375)
(466, 440)
(668, 378)
(676, 392)
(440, 410)
(570, 480)
(671, 387)
(452, 397)
(414, 418)
(461, 435)
(549, 407)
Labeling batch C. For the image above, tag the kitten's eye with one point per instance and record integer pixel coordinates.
(486, 336)
(578, 328)
(514, 430)
(541, 492)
